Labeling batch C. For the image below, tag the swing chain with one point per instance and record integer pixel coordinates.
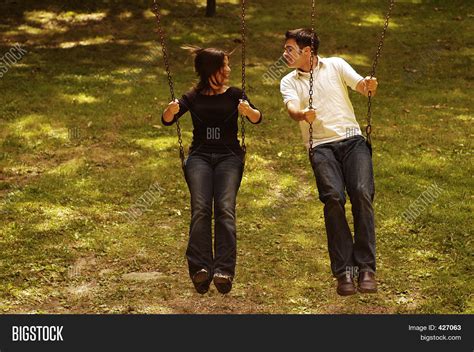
(368, 128)
(156, 11)
(242, 121)
(311, 77)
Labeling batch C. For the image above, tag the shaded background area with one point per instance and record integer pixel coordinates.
(94, 208)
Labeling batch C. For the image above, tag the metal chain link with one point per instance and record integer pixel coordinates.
(368, 128)
(311, 77)
(242, 120)
(156, 11)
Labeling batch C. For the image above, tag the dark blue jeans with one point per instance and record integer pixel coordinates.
(340, 166)
(213, 178)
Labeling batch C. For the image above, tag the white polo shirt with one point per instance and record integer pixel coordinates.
(335, 118)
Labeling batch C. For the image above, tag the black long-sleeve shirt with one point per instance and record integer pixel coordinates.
(215, 120)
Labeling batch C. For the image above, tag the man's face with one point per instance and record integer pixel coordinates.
(293, 55)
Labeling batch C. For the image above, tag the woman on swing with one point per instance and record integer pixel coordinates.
(213, 170)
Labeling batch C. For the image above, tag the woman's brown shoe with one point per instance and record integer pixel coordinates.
(223, 283)
(201, 281)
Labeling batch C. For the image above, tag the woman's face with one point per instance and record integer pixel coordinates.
(222, 76)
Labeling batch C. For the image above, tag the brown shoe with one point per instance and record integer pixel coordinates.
(367, 283)
(201, 281)
(345, 285)
(223, 283)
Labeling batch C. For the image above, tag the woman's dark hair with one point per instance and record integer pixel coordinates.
(207, 62)
(302, 36)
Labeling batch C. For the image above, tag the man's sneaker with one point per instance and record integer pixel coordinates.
(201, 281)
(223, 283)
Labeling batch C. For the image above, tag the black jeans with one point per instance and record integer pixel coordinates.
(340, 166)
(213, 177)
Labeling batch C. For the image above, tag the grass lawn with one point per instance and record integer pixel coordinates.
(81, 144)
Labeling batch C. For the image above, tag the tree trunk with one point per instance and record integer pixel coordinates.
(211, 8)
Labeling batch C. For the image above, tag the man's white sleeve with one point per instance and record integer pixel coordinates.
(288, 90)
(350, 76)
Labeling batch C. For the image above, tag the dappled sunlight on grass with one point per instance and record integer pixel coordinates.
(41, 23)
(86, 42)
(70, 167)
(467, 118)
(288, 181)
(42, 220)
(20, 170)
(30, 30)
(158, 144)
(77, 78)
(55, 217)
(127, 71)
(256, 159)
(125, 15)
(194, 38)
(372, 20)
(148, 14)
(124, 91)
(424, 255)
(254, 181)
(304, 240)
(263, 202)
(80, 98)
(27, 122)
(46, 17)
(356, 59)
(29, 129)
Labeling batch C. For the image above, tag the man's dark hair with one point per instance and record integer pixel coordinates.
(302, 36)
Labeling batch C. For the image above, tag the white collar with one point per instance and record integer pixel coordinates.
(298, 73)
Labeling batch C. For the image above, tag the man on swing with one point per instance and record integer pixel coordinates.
(340, 157)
